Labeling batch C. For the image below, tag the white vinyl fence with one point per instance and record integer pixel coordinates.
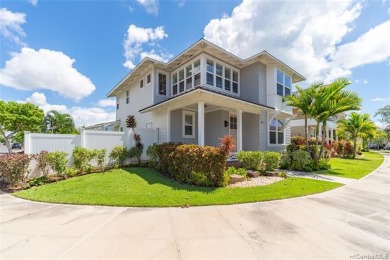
(35, 143)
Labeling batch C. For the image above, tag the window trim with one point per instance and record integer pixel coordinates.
(191, 113)
(283, 84)
(158, 83)
(224, 66)
(276, 132)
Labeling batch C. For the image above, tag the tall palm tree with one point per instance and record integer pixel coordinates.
(303, 100)
(330, 100)
(58, 123)
(357, 125)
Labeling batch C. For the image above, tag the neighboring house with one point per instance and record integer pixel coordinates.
(298, 126)
(205, 93)
(109, 126)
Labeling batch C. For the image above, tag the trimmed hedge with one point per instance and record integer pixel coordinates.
(163, 151)
(259, 161)
(199, 165)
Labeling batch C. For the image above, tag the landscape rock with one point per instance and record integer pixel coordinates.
(234, 178)
(252, 174)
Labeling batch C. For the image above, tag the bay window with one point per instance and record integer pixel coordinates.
(186, 77)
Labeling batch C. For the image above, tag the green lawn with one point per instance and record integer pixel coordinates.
(354, 168)
(148, 188)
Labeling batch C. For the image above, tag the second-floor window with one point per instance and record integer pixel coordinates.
(283, 84)
(148, 79)
(117, 103)
(141, 83)
(186, 77)
(127, 96)
(162, 84)
(221, 76)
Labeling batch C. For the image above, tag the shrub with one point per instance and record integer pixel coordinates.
(239, 171)
(100, 158)
(343, 148)
(37, 181)
(299, 160)
(58, 162)
(135, 152)
(13, 168)
(285, 161)
(271, 160)
(259, 161)
(153, 155)
(200, 165)
(163, 152)
(118, 155)
(82, 156)
(282, 175)
(42, 162)
(228, 144)
(250, 160)
(298, 140)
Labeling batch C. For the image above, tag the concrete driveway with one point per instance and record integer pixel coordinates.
(351, 222)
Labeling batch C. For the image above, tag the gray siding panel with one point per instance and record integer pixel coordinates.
(215, 127)
(263, 132)
(253, 83)
(250, 132)
(177, 128)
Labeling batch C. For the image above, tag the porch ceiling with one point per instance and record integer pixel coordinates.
(212, 101)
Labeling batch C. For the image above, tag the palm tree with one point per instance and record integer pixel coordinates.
(357, 125)
(303, 101)
(58, 123)
(330, 100)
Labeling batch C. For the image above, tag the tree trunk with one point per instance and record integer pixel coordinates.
(354, 147)
(316, 144)
(306, 136)
(323, 130)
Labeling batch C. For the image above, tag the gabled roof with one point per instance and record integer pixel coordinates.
(207, 47)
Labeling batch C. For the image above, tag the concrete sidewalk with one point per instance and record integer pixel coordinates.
(347, 223)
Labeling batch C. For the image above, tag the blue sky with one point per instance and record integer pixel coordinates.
(66, 55)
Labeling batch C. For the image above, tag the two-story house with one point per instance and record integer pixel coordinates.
(205, 93)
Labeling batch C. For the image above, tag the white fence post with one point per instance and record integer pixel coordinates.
(27, 142)
(83, 139)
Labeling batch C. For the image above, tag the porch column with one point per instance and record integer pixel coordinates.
(239, 130)
(168, 124)
(201, 123)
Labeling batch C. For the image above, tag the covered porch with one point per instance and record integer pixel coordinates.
(203, 117)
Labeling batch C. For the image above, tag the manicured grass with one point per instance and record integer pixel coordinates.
(148, 188)
(354, 168)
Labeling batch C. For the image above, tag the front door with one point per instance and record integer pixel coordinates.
(233, 128)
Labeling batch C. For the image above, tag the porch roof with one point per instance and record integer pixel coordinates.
(208, 96)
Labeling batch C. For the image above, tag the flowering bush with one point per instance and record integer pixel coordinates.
(13, 168)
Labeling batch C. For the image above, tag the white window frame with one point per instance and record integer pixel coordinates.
(283, 84)
(276, 131)
(141, 83)
(158, 83)
(193, 73)
(224, 66)
(191, 113)
(148, 79)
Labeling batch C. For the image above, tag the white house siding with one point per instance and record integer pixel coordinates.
(177, 128)
(139, 98)
(160, 123)
(253, 83)
(250, 132)
(215, 126)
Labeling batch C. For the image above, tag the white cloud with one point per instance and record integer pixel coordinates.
(37, 98)
(151, 6)
(164, 57)
(109, 102)
(137, 38)
(10, 28)
(372, 46)
(45, 69)
(380, 99)
(34, 2)
(363, 81)
(303, 35)
(82, 116)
